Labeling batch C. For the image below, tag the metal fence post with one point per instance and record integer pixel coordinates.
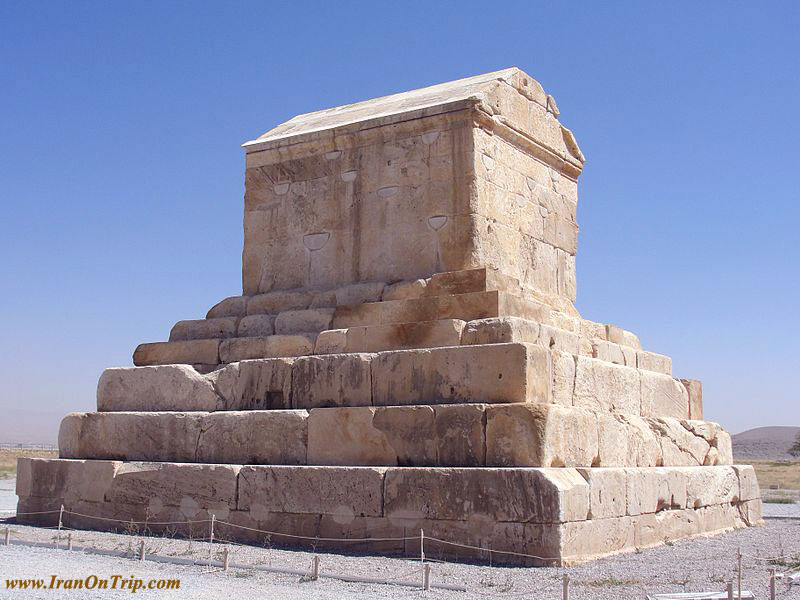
(8, 536)
(730, 591)
(141, 550)
(421, 546)
(565, 587)
(225, 559)
(426, 577)
(69, 541)
(739, 573)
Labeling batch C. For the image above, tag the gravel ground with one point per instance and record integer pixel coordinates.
(702, 564)
(781, 510)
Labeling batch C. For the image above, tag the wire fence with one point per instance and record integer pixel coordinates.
(420, 574)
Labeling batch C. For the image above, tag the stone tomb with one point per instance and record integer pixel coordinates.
(405, 354)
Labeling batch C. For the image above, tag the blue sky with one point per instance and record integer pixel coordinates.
(121, 172)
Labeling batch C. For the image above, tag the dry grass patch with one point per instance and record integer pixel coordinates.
(9, 456)
(777, 474)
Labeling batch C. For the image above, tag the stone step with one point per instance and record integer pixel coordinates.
(563, 515)
(449, 283)
(494, 372)
(472, 435)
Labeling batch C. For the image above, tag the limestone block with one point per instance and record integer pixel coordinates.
(563, 377)
(643, 447)
(491, 373)
(716, 437)
(679, 446)
(650, 490)
(167, 353)
(650, 361)
(748, 483)
(273, 346)
(663, 396)
(695, 390)
(300, 321)
(358, 293)
(460, 434)
(540, 435)
(603, 386)
(166, 387)
(706, 486)
(470, 280)
(405, 290)
(369, 534)
(255, 384)
(235, 306)
(609, 352)
(202, 329)
(584, 540)
(499, 330)
(331, 341)
(180, 485)
(276, 302)
(401, 336)
(750, 512)
(349, 436)
(326, 299)
(559, 339)
(622, 337)
(592, 330)
(356, 491)
(256, 326)
(397, 435)
(332, 380)
(463, 494)
(254, 437)
(67, 480)
(612, 441)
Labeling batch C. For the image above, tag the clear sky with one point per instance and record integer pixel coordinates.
(122, 176)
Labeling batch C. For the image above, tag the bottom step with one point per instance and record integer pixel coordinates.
(529, 516)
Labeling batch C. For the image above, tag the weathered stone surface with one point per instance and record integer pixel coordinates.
(610, 352)
(695, 390)
(273, 346)
(650, 361)
(276, 302)
(711, 485)
(64, 479)
(401, 336)
(748, 483)
(235, 306)
(167, 387)
(167, 353)
(607, 492)
(663, 396)
(518, 495)
(603, 386)
(332, 380)
(256, 326)
(405, 290)
(332, 341)
(563, 377)
(255, 384)
(356, 491)
(622, 337)
(358, 293)
(300, 321)
(492, 373)
(500, 330)
(252, 437)
(471, 280)
(203, 329)
(397, 435)
(540, 435)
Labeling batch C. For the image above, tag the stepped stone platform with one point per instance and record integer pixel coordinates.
(405, 355)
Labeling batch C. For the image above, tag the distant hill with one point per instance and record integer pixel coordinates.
(764, 443)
